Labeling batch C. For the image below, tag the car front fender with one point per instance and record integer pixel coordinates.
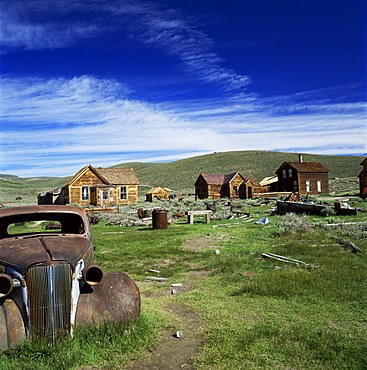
(115, 299)
(12, 330)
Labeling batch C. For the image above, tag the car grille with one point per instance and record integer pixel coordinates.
(49, 301)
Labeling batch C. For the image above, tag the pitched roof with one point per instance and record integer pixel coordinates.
(305, 166)
(81, 172)
(109, 176)
(123, 176)
(268, 180)
(156, 189)
(253, 180)
(229, 178)
(213, 179)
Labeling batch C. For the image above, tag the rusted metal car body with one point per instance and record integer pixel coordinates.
(48, 280)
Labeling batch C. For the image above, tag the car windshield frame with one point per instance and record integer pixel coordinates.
(71, 223)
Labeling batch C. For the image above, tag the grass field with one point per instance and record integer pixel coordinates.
(253, 312)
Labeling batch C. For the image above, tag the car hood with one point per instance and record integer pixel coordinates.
(22, 252)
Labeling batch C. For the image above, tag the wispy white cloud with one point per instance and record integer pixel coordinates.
(29, 25)
(35, 24)
(67, 123)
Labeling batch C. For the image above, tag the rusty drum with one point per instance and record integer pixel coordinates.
(159, 219)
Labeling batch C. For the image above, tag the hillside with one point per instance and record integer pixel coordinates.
(12, 187)
(37, 182)
(182, 174)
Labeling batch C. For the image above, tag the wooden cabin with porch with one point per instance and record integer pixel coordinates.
(232, 186)
(101, 187)
(303, 177)
(363, 179)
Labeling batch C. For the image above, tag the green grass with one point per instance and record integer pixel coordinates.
(284, 316)
(153, 249)
(109, 345)
(10, 190)
(255, 313)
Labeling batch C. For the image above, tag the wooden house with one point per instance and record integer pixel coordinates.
(363, 179)
(156, 193)
(250, 188)
(100, 187)
(230, 186)
(303, 177)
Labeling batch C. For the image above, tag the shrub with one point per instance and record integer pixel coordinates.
(358, 231)
(291, 223)
(328, 211)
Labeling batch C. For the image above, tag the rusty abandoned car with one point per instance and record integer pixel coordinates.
(48, 280)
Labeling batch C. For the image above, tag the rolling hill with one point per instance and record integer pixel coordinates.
(181, 175)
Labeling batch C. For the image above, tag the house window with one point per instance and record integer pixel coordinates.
(123, 192)
(284, 172)
(319, 186)
(295, 187)
(308, 187)
(85, 193)
(105, 195)
(289, 172)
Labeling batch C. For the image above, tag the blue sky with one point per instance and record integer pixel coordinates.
(112, 81)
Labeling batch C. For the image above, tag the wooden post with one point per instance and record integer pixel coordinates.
(190, 218)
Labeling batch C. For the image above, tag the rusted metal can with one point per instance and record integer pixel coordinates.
(159, 219)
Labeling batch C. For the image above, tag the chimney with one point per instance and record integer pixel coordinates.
(300, 158)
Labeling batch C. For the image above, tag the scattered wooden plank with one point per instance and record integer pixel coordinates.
(157, 271)
(155, 278)
(341, 224)
(114, 232)
(233, 224)
(288, 260)
(348, 243)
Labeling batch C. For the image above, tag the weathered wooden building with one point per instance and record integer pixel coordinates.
(48, 197)
(230, 186)
(303, 177)
(269, 184)
(156, 193)
(363, 179)
(100, 187)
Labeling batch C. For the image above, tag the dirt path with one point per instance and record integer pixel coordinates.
(178, 352)
(174, 352)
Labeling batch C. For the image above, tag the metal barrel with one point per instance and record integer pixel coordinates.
(159, 219)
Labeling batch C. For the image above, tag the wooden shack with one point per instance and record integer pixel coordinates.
(100, 187)
(363, 179)
(48, 197)
(303, 177)
(249, 188)
(155, 193)
(230, 186)
(208, 186)
(269, 184)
